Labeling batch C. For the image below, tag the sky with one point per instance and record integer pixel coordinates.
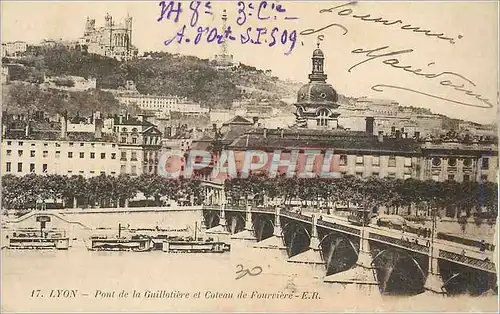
(470, 63)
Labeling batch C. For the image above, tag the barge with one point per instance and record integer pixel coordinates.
(194, 245)
(28, 240)
(135, 243)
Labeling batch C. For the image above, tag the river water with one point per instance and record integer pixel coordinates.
(148, 273)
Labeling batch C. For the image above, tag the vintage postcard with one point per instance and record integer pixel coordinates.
(249, 156)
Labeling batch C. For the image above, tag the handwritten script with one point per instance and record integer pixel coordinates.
(389, 57)
(238, 31)
(242, 272)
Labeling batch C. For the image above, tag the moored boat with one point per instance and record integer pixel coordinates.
(194, 245)
(30, 240)
(135, 243)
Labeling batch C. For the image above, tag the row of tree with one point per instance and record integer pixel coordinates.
(101, 191)
(405, 197)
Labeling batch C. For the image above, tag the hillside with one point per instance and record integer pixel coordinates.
(161, 74)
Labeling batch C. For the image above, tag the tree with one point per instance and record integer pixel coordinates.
(76, 189)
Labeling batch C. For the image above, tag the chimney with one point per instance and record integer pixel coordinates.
(255, 121)
(380, 136)
(417, 135)
(64, 125)
(369, 125)
(265, 133)
(120, 121)
(98, 128)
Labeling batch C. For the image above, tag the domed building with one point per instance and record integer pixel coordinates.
(317, 101)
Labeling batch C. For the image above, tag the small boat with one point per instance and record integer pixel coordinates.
(194, 245)
(30, 240)
(135, 243)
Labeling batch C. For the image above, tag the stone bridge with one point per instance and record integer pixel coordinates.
(367, 256)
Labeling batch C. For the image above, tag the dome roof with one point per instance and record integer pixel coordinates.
(318, 53)
(317, 93)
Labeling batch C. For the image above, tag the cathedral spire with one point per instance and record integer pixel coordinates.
(318, 59)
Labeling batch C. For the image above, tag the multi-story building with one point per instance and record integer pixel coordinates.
(111, 40)
(37, 147)
(139, 144)
(14, 49)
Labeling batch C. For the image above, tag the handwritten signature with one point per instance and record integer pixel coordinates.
(449, 79)
(242, 272)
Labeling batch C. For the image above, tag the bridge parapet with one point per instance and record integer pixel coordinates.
(339, 227)
(485, 264)
(290, 214)
(402, 243)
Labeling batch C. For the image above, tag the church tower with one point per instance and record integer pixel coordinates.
(317, 101)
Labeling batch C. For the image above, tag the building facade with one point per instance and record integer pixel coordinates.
(111, 40)
(14, 49)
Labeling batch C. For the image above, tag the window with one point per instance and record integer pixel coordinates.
(8, 167)
(407, 176)
(392, 161)
(359, 160)
(33, 144)
(359, 174)
(103, 172)
(134, 170)
(58, 145)
(134, 140)
(32, 167)
(20, 153)
(435, 177)
(467, 162)
(44, 144)
(32, 153)
(113, 155)
(407, 162)
(92, 145)
(82, 155)
(70, 144)
(113, 173)
(82, 144)
(9, 142)
(122, 169)
(124, 140)
(113, 145)
(323, 117)
(70, 172)
(45, 154)
(466, 177)
(123, 156)
(58, 154)
(485, 164)
(81, 172)
(343, 160)
(391, 175)
(134, 156)
(19, 167)
(436, 162)
(376, 161)
(451, 177)
(9, 152)
(92, 155)
(375, 174)
(70, 154)
(92, 171)
(452, 162)
(484, 178)
(44, 167)
(20, 143)
(103, 155)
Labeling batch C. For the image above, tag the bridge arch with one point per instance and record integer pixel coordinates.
(264, 227)
(386, 273)
(297, 238)
(338, 257)
(236, 222)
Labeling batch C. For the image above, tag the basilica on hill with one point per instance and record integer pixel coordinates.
(360, 153)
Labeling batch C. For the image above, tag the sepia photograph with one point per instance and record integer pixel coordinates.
(249, 156)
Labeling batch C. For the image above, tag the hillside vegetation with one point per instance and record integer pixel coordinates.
(160, 74)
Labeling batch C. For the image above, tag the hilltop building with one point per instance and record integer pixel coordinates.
(111, 40)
